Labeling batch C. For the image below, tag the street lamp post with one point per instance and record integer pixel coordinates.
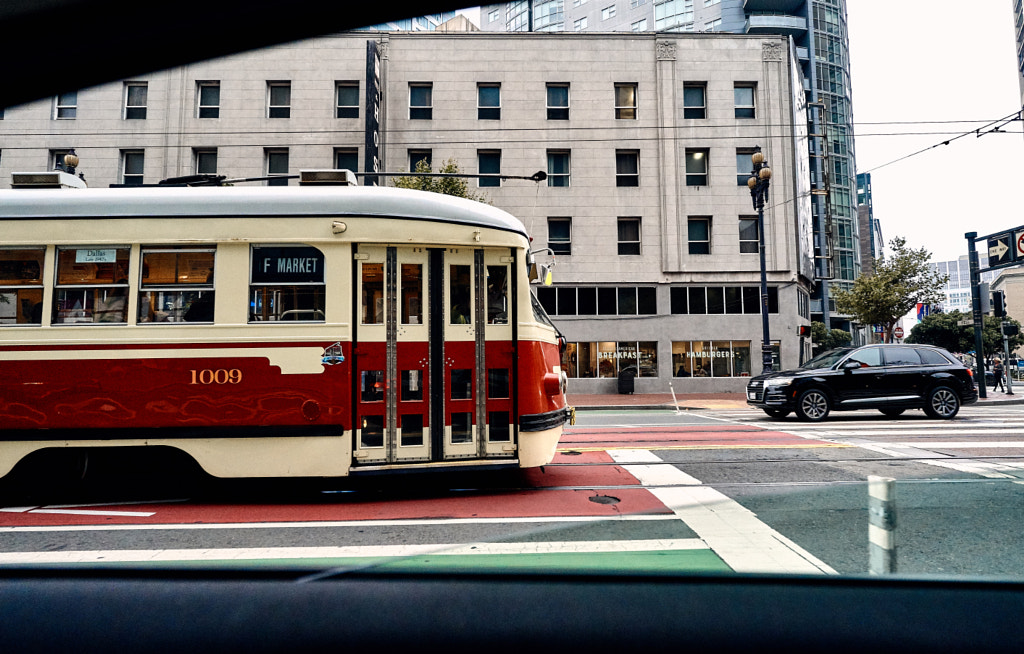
(760, 180)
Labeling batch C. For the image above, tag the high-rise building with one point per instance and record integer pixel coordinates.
(818, 29)
(872, 245)
(1018, 23)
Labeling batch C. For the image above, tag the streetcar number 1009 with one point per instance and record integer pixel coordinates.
(222, 376)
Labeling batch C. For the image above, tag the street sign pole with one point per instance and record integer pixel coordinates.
(979, 343)
(1006, 359)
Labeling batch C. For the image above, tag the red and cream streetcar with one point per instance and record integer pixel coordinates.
(274, 331)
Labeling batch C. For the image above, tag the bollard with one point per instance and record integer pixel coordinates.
(674, 400)
(881, 525)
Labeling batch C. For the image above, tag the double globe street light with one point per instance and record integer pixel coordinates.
(759, 181)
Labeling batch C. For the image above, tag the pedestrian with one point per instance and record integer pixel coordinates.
(997, 372)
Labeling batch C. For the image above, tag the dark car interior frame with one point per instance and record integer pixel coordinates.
(51, 46)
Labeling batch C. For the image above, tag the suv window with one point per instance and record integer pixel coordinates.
(932, 358)
(867, 358)
(901, 356)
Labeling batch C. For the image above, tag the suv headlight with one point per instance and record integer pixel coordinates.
(778, 381)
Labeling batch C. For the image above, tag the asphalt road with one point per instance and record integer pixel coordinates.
(713, 490)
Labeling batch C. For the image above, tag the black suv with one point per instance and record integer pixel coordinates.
(890, 378)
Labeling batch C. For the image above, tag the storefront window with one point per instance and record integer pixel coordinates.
(648, 358)
(606, 359)
(587, 359)
(711, 358)
(569, 361)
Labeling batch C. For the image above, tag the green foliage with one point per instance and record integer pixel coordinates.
(899, 283)
(823, 339)
(941, 329)
(457, 186)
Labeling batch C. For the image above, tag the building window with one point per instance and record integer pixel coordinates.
(695, 101)
(418, 158)
(629, 236)
(208, 99)
(711, 358)
(346, 95)
(558, 101)
(608, 359)
(698, 231)
(57, 159)
(281, 291)
(625, 101)
(558, 167)
(489, 163)
(92, 285)
(744, 95)
(132, 164)
(608, 12)
(488, 101)
(744, 165)
(279, 99)
(602, 300)
(135, 95)
(21, 285)
(346, 159)
(421, 101)
(206, 161)
(560, 235)
(627, 168)
(177, 285)
(494, 15)
(749, 242)
(579, 24)
(696, 167)
(277, 164)
(65, 106)
(639, 26)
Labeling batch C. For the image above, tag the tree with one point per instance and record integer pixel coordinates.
(941, 329)
(457, 186)
(900, 282)
(823, 339)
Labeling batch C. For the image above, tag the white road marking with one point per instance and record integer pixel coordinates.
(359, 551)
(732, 532)
(44, 509)
(343, 523)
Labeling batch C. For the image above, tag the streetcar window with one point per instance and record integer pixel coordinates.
(177, 285)
(462, 384)
(412, 430)
(460, 285)
(412, 385)
(287, 283)
(497, 383)
(412, 294)
(498, 427)
(372, 433)
(497, 295)
(21, 286)
(462, 427)
(92, 285)
(373, 293)
(373, 386)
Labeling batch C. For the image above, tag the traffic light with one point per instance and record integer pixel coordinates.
(805, 331)
(998, 304)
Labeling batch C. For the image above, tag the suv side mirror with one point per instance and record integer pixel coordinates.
(851, 365)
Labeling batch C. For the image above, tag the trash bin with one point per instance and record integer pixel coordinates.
(626, 378)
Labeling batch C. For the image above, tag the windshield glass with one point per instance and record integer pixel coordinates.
(826, 359)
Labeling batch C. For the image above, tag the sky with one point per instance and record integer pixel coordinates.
(917, 61)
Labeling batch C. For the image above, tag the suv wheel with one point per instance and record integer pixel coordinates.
(942, 403)
(812, 405)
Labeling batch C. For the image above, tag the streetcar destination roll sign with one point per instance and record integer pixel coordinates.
(287, 265)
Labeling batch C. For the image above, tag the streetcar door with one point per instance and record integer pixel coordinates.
(434, 354)
(391, 385)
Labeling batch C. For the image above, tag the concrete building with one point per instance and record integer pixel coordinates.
(872, 245)
(818, 28)
(1018, 22)
(645, 206)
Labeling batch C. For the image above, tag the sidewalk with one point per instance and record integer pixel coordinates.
(698, 401)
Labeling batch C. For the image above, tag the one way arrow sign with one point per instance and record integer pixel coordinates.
(999, 251)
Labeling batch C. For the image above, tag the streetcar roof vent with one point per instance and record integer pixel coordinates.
(327, 178)
(48, 179)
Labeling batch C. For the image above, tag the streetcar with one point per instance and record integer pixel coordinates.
(295, 331)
